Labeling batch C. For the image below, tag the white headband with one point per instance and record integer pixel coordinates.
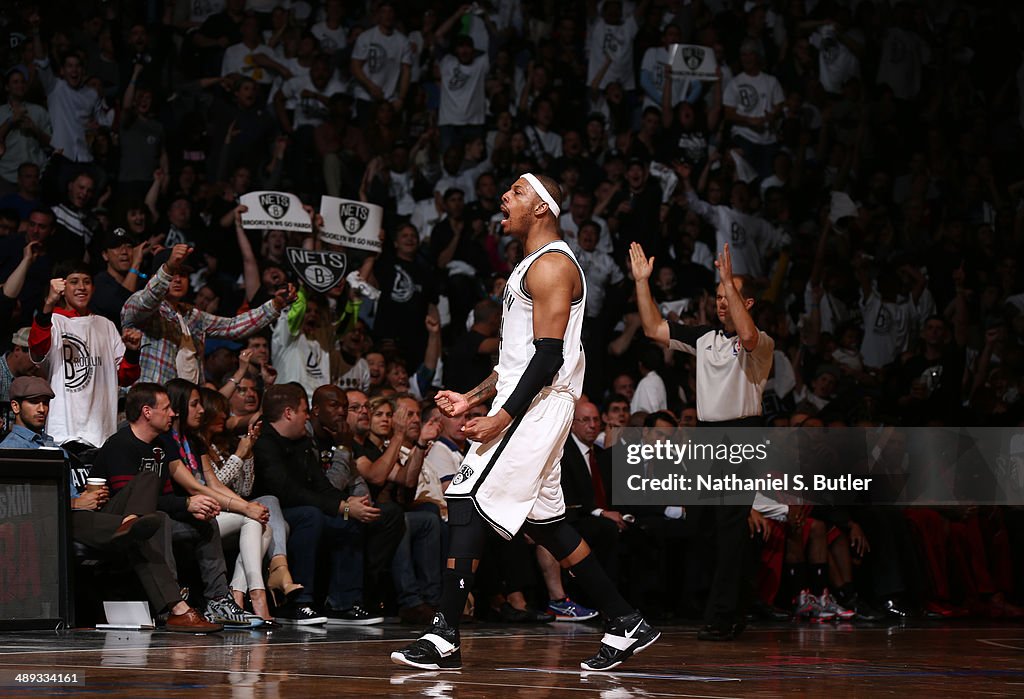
(542, 192)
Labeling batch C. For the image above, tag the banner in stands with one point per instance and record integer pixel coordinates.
(691, 61)
(320, 270)
(351, 224)
(274, 210)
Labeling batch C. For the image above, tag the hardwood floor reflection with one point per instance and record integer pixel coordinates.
(532, 662)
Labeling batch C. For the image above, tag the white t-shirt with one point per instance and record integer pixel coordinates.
(543, 142)
(571, 230)
(357, 378)
(309, 111)
(750, 237)
(383, 57)
(753, 96)
(903, 54)
(401, 189)
(440, 465)
(601, 272)
(425, 216)
(240, 59)
(462, 91)
(784, 379)
(615, 41)
(299, 359)
(650, 396)
(836, 62)
(331, 40)
(85, 353)
(889, 325)
(833, 312)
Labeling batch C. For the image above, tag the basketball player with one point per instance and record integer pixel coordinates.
(510, 479)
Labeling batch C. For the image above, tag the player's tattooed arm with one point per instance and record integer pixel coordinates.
(452, 403)
(484, 392)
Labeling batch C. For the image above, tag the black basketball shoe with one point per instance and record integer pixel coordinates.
(436, 649)
(624, 637)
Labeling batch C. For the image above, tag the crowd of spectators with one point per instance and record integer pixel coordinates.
(857, 155)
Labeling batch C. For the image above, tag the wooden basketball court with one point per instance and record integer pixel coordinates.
(967, 659)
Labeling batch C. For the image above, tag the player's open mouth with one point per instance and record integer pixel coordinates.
(504, 212)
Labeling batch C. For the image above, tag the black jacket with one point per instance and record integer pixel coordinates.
(577, 486)
(290, 470)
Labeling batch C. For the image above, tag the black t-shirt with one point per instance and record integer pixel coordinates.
(469, 249)
(389, 492)
(109, 297)
(407, 290)
(123, 456)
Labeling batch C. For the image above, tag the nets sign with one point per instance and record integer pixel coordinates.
(274, 210)
(351, 224)
(320, 270)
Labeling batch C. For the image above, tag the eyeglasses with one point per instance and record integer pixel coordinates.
(358, 407)
(585, 420)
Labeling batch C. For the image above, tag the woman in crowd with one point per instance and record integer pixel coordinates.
(192, 472)
(234, 466)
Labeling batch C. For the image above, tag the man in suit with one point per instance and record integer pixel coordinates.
(586, 486)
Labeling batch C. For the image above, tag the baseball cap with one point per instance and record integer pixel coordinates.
(30, 387)
(20, 338)
(116, 238)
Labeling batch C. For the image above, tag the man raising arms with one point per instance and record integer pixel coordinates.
(510, 479)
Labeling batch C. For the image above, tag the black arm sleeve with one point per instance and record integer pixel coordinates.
(543, 366)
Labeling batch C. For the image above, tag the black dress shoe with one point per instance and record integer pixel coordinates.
(511, 615)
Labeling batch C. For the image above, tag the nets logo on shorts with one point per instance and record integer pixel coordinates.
(464, 474)
(79, 364)
(276, 205)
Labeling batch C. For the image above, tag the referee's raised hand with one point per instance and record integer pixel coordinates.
(724, 265)
(641, 264)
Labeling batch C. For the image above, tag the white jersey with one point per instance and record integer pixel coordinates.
(516, 344)
(85, 353)
(517, 476)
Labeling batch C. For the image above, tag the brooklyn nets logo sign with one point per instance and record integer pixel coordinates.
(276, 205)
(319, 270)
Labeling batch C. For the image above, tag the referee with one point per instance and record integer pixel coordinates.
(733, 363)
